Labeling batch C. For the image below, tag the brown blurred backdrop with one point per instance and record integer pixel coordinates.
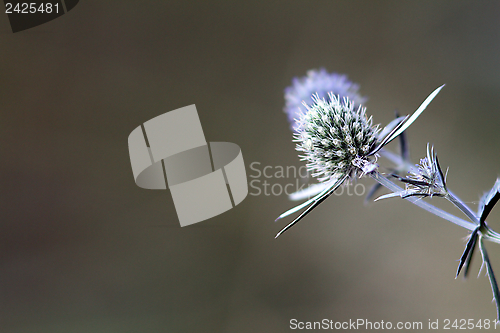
(83, 249)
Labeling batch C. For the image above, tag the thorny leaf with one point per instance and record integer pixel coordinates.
(467, 255)
(415, 114)
(488, 201)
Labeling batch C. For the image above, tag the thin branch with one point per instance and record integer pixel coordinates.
(423, 204)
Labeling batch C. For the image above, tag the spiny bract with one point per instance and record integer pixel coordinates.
(427, 179)
(334, 137)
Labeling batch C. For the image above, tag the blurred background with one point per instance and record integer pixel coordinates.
(83, 249)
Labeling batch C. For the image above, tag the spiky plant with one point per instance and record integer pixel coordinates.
(339, 143)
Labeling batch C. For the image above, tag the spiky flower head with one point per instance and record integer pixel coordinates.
(338, 141)
(427, 178)
(321, 83)
(424, 180)
(334, 137)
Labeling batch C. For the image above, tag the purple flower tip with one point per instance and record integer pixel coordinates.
(318, 82)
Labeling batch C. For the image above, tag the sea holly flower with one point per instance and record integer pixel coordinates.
(402, 165)
(316, 83)
(426, 180)
(340, 143)
(319, 83)
(334, 137)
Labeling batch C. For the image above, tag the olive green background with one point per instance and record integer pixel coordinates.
(83, 249)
